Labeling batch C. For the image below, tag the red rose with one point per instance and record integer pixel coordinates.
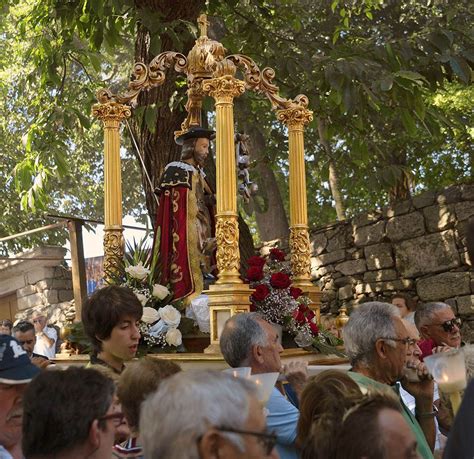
(254, 273)
(261, 292)
(310, 315)
(298, 316)
(295, 292)
(314, 328)
(302, 307)
(253, 308)
(256, 261)
(280, 280)
(277, 255)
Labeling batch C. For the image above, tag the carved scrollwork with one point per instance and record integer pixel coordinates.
(113, 251)
(227, 238)
(224, 88)
(262, 83)
(300, 253)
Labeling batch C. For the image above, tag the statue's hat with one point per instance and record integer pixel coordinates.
(196, 132)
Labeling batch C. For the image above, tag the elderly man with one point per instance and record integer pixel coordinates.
(16, 371)
(377, 343)
(438, 326)
(249, 341)
(46, 336)
(205, 414)
(70, 414)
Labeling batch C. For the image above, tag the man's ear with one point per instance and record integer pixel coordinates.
(257, 354)
(94, 434)
(381, 348)
(208, 447)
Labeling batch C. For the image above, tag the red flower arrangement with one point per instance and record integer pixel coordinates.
(278, 302)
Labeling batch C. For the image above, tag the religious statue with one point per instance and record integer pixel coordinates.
(185, 224)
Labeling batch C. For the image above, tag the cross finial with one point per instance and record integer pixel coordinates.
(203, 23)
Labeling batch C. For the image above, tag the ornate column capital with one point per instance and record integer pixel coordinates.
(295, 117)
(111, 112)
(224, 88)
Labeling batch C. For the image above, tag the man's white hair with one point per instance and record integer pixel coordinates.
(186, 405)
(368, 323)
(425, 313)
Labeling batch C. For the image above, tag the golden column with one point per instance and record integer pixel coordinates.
(111, 114)
(295, 118)
(229, 295)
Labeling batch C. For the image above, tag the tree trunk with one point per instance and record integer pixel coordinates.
(333, 173)
(158, 148)
(401, 190)
(273, 223)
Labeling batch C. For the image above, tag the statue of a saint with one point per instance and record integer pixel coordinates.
(185, 224)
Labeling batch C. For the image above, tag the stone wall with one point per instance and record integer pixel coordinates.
(41, 282)
(417, 246)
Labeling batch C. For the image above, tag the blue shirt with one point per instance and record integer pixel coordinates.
(282, 419)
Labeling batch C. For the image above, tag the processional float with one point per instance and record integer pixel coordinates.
(211, 73)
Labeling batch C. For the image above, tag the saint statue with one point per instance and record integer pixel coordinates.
(185, 223)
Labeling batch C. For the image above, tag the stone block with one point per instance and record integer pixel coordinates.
(466, 304)
(351, 267)
(371, 234)
(345, 293)
(378, 256)
(65, 295)
(405, 226)
(62, 284)
(439, 218)
(449, 195)
(323, 270)
(452, 303)
(428, 254)
(318, 243)
(346, 280)
(398, 208)
(424, 199)
(464, 210)
(339, 237)
(44, 284)
(61, 272)
(328, 258)
(38, 274)
(30, 301)
(50, 296)
(28, 290)
(366, 218)
(381, 275)
(443, 286)
(467, 192)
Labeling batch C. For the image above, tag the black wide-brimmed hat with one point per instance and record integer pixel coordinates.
(196, 132)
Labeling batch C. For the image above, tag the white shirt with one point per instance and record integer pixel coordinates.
(41, 346)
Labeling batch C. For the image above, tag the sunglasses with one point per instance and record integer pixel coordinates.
(266, 439)
(449, 325)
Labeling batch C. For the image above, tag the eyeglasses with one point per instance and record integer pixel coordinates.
(405, 341)
(266, 439)
(116, 417)
(449, 325)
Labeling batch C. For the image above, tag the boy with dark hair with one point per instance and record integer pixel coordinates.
(110, 317)
(69, 414)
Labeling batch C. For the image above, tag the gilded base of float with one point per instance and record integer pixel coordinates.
(190, 360)
(225, 300)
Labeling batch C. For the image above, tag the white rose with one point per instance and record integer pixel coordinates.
(170, 315)
(142, 298)
(138, 271)
(160, 291)
(173, 337)
(150, 315)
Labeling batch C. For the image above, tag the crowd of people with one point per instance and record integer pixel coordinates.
(386, 406)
